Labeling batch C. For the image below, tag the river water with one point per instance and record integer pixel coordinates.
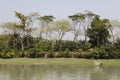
(59, 72)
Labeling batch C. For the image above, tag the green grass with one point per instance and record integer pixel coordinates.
(41, 61)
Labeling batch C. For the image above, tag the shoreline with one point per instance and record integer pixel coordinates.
(57, 61)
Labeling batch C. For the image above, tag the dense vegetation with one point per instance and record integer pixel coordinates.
(35, 36)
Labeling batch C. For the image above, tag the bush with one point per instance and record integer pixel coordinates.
(34, 53)
(7, 54)
(112, 51)
(84, 45)
(78, 54)
(87, 55)
(51, 54)
(59, 55)
(67, 54)
(41, 54)
(94, 53)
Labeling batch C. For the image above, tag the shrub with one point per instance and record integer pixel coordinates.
(94, 53)
(112, 51)
(97, 53)
(77, 55)
(84, 45)
(7, 54)
(33, 53)
(87, 55)
(24, 54)
(59, 54)
(41, 54)
(51, 54)
(67, 54)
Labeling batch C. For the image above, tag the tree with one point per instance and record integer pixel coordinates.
(45, 22)
(4, 40)
(98, 33)
(11, 30)
(9, 27)
(77, 21)
(81, 21)
(118, 43)
(89, 16)
(111, 26)
(31, 24)
(60, 28)
(24, 29)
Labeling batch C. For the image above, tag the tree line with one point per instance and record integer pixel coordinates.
(43, 36)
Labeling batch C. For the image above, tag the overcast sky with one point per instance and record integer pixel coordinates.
(59, 8)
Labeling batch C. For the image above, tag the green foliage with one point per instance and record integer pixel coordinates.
(34, 53)
(67, 54)
(42, 45)
(59, 54)
(79, 54)
(97, 53)
(4, 41)
(28, 41)
(117, 43)
(47, 18)
(19, 41)
(94, 54)
(112, 51)
(84, 45)
(7, 53)
(51, 54)
(98, 33)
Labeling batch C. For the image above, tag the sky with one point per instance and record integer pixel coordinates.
(59, 8)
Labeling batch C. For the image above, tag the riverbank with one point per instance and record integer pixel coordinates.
(42, 61)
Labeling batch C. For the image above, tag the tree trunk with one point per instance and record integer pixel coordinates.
(22, 47)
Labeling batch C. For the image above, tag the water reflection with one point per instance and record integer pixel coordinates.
(58, 72)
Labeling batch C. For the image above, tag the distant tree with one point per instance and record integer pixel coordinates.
(89, 16)
(60, 28)
(98, 33)
(81, 22)
(11, 30)
(45, 22)
(24, 28)
(4, 41)
(111, 26)
(9, 27)
(77, 21)
(118, 43)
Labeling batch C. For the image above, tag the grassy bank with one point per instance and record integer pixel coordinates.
(74, 61)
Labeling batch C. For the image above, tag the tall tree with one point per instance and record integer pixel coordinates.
(77, 21)
(89, 16)
(81, 21)
(21, 28)
(11, 30)
(98, 33)
(9, 27)
(60, 28)
(45, 22)
(24, 28)
(111, 27)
